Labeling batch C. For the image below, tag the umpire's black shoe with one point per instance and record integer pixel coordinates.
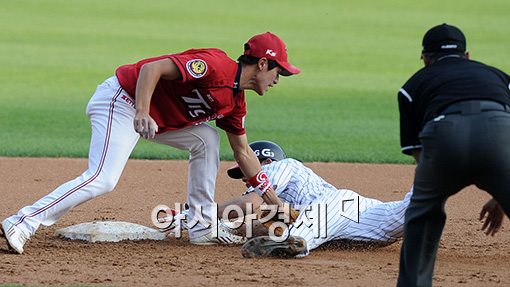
(263, 246)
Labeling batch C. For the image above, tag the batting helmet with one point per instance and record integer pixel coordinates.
(263, 150)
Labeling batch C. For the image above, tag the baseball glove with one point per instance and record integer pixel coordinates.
(277, 219)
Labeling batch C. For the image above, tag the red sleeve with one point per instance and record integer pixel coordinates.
(194, 66)
(234, 122)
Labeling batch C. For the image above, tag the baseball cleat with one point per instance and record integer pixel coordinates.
(15, 238)
(206, 239)
(264, 246)
(224, 236)
(173, 220)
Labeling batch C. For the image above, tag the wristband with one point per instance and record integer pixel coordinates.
(260, 183)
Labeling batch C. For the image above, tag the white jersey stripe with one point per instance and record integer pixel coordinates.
(406, 94)
(411, 147)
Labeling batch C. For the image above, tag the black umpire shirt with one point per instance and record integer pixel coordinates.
(450, 79)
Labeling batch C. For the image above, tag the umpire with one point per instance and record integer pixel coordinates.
(455, 121)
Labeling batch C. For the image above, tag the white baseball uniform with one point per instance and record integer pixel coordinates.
(328, 213)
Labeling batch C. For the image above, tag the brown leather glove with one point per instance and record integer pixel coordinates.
(277, 218)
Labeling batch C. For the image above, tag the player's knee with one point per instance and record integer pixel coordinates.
(104, 184)
(109, 185)
(208, 140)
(210, 136)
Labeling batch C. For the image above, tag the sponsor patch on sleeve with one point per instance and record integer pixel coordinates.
(197, 68)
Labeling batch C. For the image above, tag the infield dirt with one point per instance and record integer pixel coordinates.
(466, 256)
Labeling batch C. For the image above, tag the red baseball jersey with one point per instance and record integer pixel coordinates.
(204, 93)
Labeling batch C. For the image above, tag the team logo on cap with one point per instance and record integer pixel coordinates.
(270, 53)
(196, 67)
(449, 46)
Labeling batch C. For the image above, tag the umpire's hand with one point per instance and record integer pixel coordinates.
(494, 218)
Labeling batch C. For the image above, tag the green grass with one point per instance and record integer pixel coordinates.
(354, 56)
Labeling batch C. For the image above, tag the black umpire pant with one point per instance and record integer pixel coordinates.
(468, 144)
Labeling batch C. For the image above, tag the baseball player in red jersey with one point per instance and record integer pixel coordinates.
(168, 100)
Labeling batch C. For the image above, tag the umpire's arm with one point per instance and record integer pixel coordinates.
(409, 127)
(416, 154)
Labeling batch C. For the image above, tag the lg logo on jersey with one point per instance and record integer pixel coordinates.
(265, 152)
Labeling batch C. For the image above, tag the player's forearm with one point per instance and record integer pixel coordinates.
(271, 198)
(147, 80)
(251, 168)
(244, 155)
(248, 162)
(249, 199)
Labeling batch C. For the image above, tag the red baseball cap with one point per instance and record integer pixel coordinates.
(269, 46)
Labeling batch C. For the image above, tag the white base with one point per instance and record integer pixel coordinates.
(109, 231)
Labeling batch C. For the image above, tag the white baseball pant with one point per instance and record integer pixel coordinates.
(111, 112)
(335, 216)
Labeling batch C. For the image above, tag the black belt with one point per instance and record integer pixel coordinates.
(474, 107)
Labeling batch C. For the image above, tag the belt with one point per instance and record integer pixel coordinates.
(474, 107)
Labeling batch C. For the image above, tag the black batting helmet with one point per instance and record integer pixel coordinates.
(263, 150)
